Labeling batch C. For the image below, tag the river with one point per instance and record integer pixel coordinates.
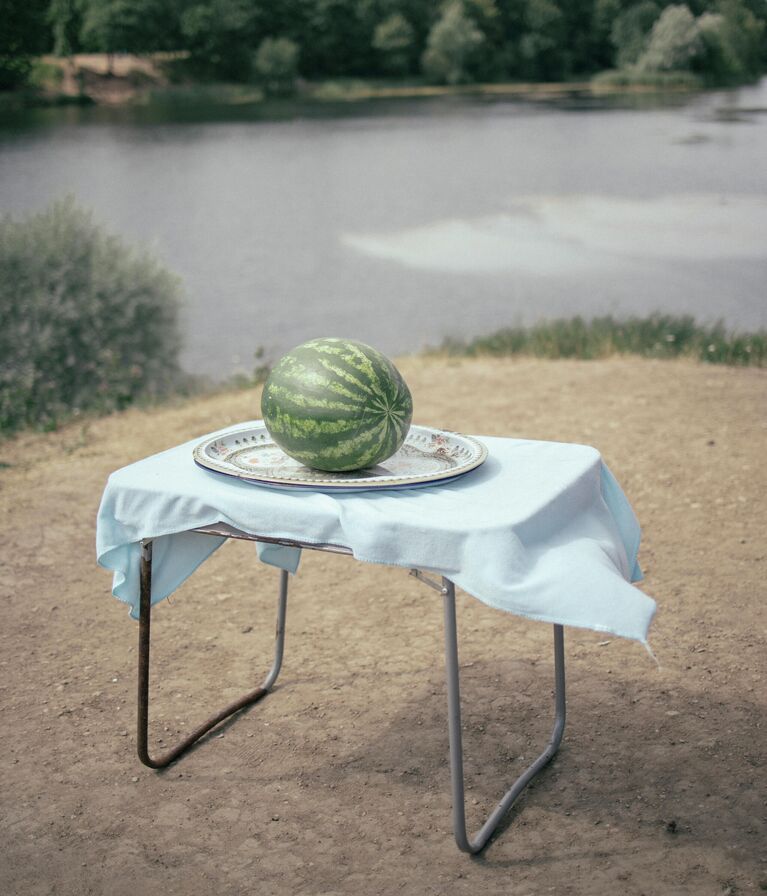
(402, 223)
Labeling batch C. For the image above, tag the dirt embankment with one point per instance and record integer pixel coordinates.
(108, 79)
(338, 782)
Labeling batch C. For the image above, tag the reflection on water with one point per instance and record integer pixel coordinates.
(401, 223)
(554, 236)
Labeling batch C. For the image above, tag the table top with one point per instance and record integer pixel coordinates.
(541, 529)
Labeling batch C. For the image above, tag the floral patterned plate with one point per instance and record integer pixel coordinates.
(428, 456)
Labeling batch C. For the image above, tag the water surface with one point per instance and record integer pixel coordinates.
(402, 223)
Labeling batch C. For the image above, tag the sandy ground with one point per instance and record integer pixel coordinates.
(337, 783)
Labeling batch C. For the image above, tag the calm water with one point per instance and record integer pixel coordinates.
(402, 224)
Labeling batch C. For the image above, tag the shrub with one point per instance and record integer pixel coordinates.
(44, 76)
(14, 71)
(86, 323)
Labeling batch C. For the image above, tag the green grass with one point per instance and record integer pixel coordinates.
(656, 336)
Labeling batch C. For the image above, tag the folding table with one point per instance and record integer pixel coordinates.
(551, 516)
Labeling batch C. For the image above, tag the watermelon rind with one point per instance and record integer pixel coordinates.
(337, 404)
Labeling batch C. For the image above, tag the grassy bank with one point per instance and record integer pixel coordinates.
(656, 336)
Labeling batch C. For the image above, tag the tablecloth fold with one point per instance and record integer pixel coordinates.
(541, 529)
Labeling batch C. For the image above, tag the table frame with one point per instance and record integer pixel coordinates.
(446, 588)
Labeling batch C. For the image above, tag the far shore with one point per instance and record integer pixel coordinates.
(124, 79)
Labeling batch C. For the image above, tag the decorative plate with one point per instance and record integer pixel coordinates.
(428, 456)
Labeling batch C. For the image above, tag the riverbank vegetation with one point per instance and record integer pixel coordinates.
(288, 46)
(87, 323)
(655, 336)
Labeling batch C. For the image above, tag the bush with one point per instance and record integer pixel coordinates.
(44, 76)
(14, 71)
(86, 323)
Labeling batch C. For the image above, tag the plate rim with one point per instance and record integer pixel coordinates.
(358, 484)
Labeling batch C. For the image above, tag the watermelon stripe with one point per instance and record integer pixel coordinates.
(347, 373)
(370, 369)
(311, 403)
(357, 454)
(309, 429)
(357, 361)
(303, 431)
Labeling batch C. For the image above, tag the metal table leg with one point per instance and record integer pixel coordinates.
(145, 610)
(456, 747)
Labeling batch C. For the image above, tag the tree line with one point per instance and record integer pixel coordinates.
(454, 41)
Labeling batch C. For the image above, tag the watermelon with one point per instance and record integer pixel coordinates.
(336, 404)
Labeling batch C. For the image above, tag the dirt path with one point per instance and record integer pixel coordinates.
(338, 782)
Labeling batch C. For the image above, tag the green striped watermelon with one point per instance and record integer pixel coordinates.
(336, 404)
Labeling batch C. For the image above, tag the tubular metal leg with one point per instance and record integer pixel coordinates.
(145, 610)
(456, 747)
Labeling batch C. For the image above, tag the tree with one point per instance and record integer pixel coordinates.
(631, 30)
(393, 39)
(337, 38)
(123, 26)
(452, 40)
(22, 36)
(674, 41)
(603, 16)
(732, 44)
(107, 27)
(490, 63)
(64, 17)
(219, 37)
(275, 64)
(543, 46)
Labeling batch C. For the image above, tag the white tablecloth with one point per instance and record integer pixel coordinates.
(541, 529)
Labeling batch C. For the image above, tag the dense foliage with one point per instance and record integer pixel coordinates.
(86, 323)
(719, 41)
